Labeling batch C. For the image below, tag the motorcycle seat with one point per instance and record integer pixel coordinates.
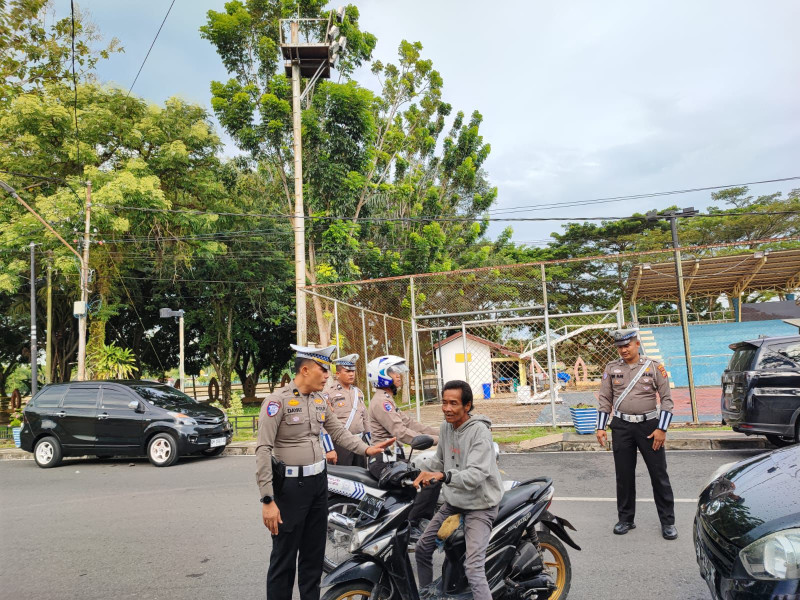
(515, 497)
(358, 474)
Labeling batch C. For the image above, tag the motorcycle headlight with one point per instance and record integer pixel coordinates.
(182, 419)
(360, 536)
(376, 548)
(776, 556)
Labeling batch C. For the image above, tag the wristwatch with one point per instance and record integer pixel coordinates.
(447, 477)
(267, 499)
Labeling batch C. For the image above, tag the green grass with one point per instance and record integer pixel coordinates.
(516, 436)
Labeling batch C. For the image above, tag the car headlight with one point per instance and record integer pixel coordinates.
(776, 556)
(182, 419)
(721, 470)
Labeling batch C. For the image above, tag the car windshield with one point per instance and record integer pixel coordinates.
(163, 395)
(742, 358)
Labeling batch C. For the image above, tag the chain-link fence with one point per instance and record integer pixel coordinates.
(533, 339)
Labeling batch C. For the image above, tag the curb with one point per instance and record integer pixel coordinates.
(556, 442)
(566, 442)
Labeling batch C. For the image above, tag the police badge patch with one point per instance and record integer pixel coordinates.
(273, 408)
(387, 406)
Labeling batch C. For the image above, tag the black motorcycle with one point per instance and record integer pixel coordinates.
(525, 559)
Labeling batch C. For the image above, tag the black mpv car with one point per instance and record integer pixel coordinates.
(109, 418)
(747, 528)
(761, 389)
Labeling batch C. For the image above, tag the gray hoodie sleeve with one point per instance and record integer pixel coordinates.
(480, 455)
(436, 462)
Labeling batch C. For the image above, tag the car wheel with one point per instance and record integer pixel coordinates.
(162, 450)
(779, 440)
(47, 452)
(213, 451)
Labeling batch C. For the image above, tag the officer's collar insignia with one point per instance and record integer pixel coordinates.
(318, 400)
(296, 392)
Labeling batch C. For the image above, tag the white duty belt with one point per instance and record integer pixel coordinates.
(306, 470)
(354, 392)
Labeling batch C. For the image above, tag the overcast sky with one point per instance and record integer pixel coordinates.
(581, 99)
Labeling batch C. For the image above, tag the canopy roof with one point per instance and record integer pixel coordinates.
(734, 274)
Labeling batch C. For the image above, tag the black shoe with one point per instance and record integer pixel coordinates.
(624, 527)
(670, 532)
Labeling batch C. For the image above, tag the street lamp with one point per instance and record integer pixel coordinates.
(167, 313)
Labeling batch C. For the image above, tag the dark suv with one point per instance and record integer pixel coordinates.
(109, 418)
(761, 389)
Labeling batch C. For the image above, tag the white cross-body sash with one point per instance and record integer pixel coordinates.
(633, 382)
(354, 391)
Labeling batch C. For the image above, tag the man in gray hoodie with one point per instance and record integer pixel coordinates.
(465, 463)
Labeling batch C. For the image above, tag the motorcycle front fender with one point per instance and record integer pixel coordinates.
(357, 567)
(559, 528)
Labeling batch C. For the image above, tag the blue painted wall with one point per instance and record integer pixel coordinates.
(709, 342)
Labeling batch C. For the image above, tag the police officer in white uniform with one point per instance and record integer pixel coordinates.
(347, 403)
(290, 425)
(631, 390)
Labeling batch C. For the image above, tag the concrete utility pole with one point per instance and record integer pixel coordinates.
(83, 314)
(312, 59)
(48, 371)
(34, 344)
(673, 222)
(167, 313)
(299, 221)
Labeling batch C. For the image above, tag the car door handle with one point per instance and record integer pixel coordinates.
(102, 416)
(63, 413)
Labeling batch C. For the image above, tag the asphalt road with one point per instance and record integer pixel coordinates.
(103, 529)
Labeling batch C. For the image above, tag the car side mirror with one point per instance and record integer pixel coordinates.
(421, 442)
(134, 405)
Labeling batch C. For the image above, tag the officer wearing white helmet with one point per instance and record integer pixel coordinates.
(347, 403)
(385, 373)
(291, 473)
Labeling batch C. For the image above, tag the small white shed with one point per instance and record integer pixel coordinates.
(488, 364)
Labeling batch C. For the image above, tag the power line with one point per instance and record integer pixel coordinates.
(430, 219)
(151, 47)
(512, 209)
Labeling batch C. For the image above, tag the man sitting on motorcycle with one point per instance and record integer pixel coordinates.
(385, 373)
(465, 463)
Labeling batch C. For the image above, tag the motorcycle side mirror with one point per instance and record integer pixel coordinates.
(421, 442)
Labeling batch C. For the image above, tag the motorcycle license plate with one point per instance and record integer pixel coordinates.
(217, 442)
(370, 506)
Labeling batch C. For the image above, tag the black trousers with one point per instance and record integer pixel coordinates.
(627, 438)
(427, 497)
(345, 458)
(300, 543)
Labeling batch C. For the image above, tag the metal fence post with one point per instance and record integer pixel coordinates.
(414, 347)
(366, 360)
(435, 369)
(336, 328)
(466, 356)
(550, 364)
(385, 336)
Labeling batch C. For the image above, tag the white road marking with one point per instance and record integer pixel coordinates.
(581, 499)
